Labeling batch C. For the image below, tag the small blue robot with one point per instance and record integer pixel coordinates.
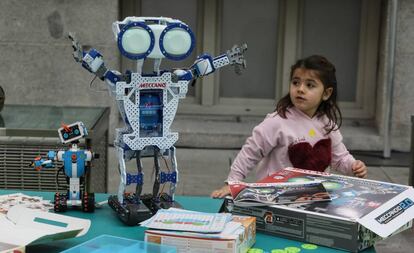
(148, 103)
(75, 163)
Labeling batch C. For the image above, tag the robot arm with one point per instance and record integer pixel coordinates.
(39, 163)
(205, 64)
(92, 60)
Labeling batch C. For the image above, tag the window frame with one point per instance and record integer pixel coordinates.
(208, 33)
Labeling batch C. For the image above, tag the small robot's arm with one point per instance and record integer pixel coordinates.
(39, 163)
(205, 64)
(92, 60)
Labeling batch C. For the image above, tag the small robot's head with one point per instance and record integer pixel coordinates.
(153, 37)
(72, 132)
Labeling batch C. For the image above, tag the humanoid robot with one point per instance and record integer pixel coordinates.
(148, 103)
(75, 163)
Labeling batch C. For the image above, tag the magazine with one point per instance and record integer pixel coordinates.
(264, 194)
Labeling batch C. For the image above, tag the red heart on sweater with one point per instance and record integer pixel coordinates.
(302, 155)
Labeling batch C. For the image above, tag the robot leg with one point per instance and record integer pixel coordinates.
(123, 174)
(173, 185)
(138, 188)
(156, 187)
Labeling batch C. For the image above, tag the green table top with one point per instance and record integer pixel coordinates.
(105, 221)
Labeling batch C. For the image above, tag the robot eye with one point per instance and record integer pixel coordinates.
(176, 41)
(136, 41)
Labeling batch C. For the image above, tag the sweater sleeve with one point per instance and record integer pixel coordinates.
(258, 145)
(342, 160)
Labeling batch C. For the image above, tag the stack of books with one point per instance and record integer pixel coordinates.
(191, 231)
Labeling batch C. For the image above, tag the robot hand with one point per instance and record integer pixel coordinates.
(77, 48)
(91, 60)
(236, 57)
(40, 163)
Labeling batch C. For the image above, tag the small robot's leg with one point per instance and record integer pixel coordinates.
(138, 189)
(174, 169)
(74, 190)
(123, 174)
(156, 186)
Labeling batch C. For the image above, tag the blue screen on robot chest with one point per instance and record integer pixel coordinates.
(72, 133)
(150, 113)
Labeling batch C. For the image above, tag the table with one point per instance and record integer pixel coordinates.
(105, 221)
(27, 131)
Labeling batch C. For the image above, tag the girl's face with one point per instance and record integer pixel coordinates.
(307, 91)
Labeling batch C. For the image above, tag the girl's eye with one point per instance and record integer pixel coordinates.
(310, 85)
(295, 82)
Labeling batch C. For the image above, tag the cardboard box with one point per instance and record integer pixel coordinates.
(239, 241)
(23, 226)
(361, 211)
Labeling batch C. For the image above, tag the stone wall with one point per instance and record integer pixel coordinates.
(36, 64)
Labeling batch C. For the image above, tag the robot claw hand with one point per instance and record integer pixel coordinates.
(236, 57)
(91, 60)
(77, 48)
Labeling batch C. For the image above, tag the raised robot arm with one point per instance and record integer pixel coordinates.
(39, 163)
(92, 60)
(205, 64)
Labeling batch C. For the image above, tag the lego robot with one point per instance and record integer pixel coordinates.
(148, 103)
(75, 163)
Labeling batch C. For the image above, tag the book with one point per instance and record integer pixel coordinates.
(184, 220)
(263, 194)
(238, 236)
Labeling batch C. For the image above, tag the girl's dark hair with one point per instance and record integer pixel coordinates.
(326, 73)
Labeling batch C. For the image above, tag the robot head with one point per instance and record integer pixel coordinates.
(72, 132)
(152, 37)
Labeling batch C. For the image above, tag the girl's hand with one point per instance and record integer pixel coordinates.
(221, 193)
(359, 169)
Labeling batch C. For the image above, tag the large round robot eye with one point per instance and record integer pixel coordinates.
(176, 41)
(136, 40)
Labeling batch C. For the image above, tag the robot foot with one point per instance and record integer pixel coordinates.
(163, 202)
(88, 202)
(130, 212)
(60, 202)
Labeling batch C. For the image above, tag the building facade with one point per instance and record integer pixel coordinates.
(37, 67)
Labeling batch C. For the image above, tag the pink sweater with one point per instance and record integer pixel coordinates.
(270, 146)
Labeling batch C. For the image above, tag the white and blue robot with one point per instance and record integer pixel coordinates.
(148, 103)
(75, 164)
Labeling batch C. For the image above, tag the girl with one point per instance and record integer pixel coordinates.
(303, 132)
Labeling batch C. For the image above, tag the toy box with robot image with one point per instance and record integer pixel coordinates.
(360, 213)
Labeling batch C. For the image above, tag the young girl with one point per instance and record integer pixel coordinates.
(303, 132)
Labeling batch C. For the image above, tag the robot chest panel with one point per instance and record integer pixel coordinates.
(75, 156)
(144, 84)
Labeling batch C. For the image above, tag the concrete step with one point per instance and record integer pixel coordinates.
(230, 132)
